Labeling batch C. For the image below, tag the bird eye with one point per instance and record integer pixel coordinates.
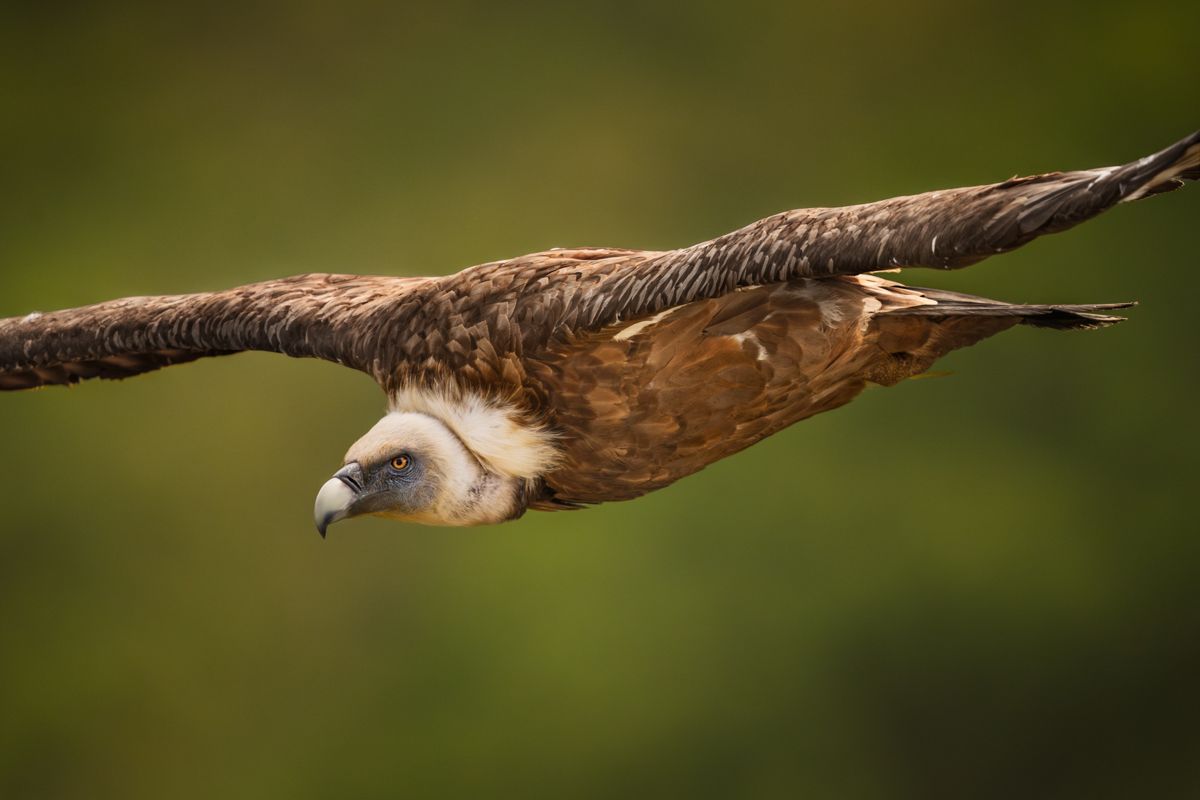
(401, 462)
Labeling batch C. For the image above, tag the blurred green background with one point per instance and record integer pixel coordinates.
(979, 585)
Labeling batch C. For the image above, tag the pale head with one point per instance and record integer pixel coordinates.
(412, 466)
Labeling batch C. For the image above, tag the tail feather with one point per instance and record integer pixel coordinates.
(1071, 317)
(1058, 316)
(914, 337)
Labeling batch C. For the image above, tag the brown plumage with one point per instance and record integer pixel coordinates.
(640, 367)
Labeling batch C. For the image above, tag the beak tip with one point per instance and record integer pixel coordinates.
(333, 503)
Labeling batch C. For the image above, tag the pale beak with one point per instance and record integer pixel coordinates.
(336, 497)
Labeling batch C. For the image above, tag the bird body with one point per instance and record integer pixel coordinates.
(573, 377)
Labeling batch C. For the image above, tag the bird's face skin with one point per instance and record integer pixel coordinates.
(412, 467)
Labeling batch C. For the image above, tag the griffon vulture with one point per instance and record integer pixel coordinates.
(571, 377)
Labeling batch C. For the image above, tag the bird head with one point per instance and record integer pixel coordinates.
(413, 467)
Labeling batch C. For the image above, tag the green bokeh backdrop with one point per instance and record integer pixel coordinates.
(977, 585)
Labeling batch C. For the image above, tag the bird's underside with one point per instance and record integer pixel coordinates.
(578, 376)
(646, 402)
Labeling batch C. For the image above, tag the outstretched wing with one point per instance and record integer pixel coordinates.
(334, 317)
(470, 327)
(478, 325)
(944, 229)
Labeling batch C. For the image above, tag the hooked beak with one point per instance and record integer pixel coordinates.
(337, 496)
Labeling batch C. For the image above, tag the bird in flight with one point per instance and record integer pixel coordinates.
(571, 377)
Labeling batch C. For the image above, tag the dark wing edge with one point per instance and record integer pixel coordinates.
(945, 229)
(332, 317)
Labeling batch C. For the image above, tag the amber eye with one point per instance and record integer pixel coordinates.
(401, 462)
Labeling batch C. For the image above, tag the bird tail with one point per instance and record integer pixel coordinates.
(1066, 317)
(914, 337)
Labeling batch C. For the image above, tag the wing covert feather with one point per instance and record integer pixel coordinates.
(319, 316)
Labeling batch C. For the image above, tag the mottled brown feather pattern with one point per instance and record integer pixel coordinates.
(714, 376)
(639, 413)
(739, 336)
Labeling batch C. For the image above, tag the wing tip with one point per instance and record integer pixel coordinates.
(1164, 171)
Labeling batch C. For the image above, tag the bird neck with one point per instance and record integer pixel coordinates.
(513, 451)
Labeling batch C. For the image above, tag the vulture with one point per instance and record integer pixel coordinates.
(577, 376)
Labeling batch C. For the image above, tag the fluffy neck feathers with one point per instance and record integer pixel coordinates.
(487, 455)
(495, 433)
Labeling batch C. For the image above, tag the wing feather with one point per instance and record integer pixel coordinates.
(494, 322)
(320, 316)
(943, 229)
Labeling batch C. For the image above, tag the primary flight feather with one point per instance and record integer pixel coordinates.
(571, 377)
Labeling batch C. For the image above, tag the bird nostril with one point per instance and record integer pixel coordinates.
(352, 476)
